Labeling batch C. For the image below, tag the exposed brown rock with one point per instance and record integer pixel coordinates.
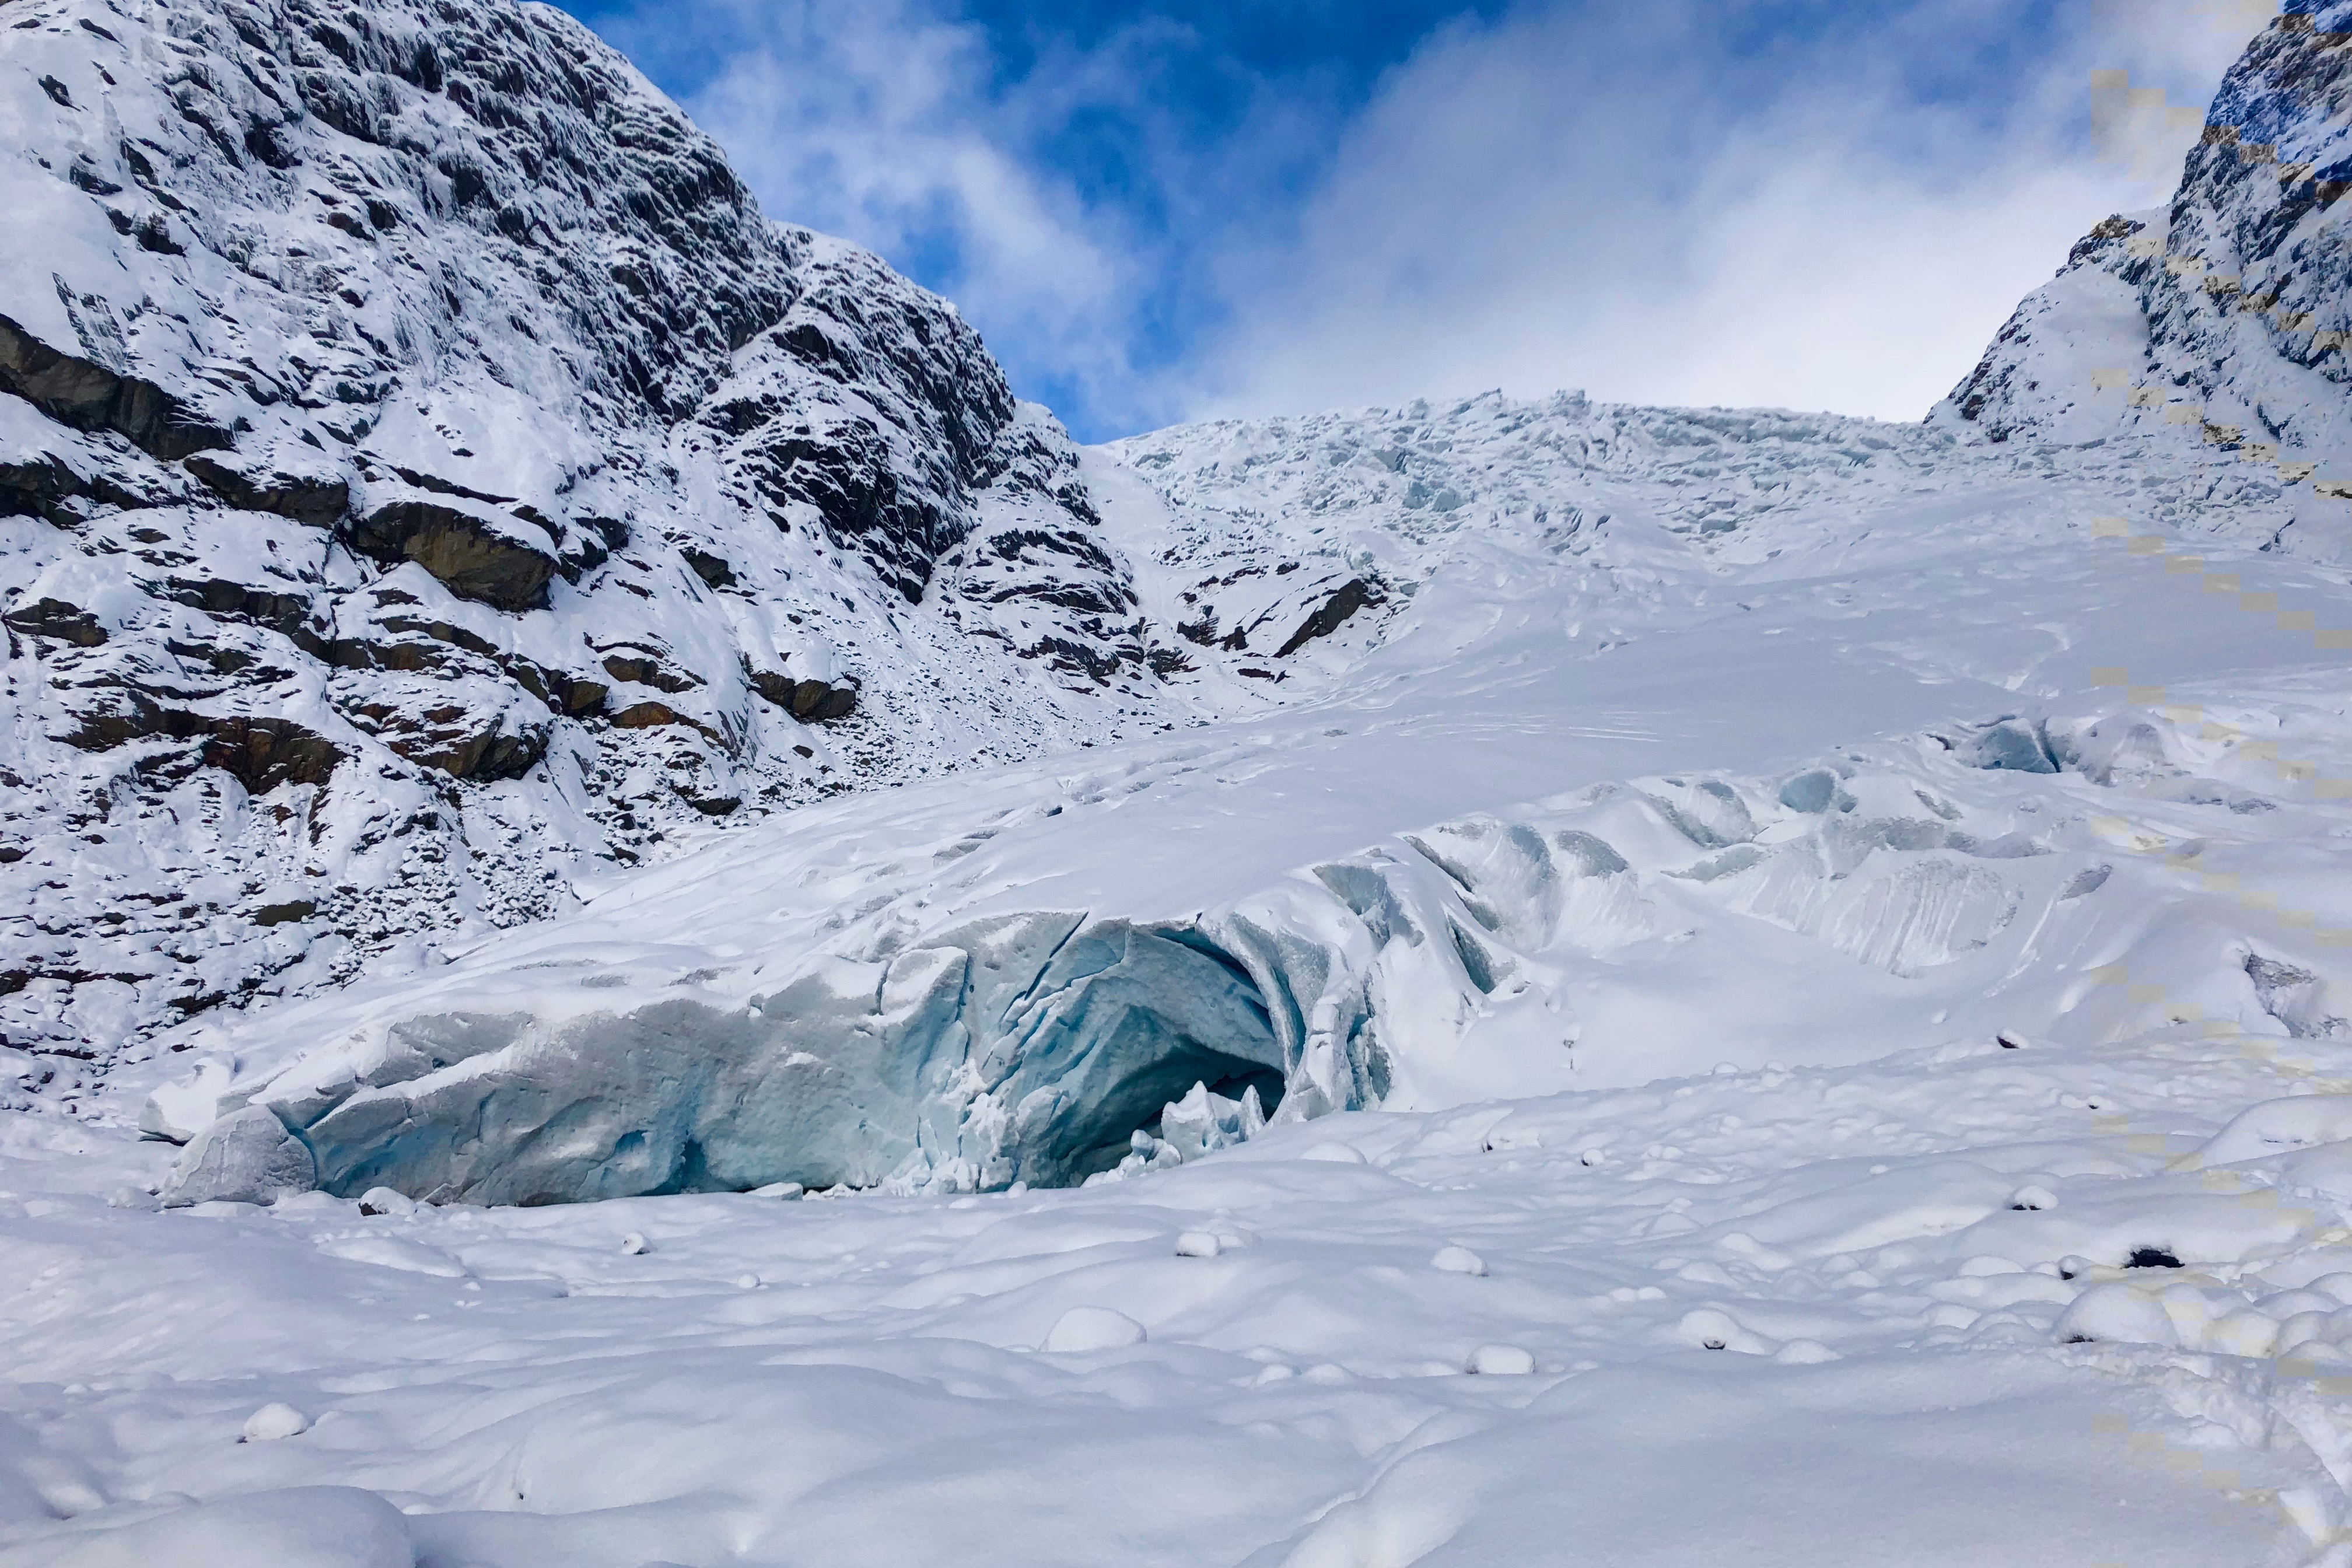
(647, 715)
(583, 696)
(289, 615)
(561, 692)
(262, 753)
(810, 701)
(646, 671)
(470, 558)
(455, 739)
(714, 570)
(258, 751)
(315, 499)
(56, 618)
(89, 397)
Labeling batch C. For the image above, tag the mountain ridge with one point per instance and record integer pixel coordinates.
(430, 473)
(2225, 311)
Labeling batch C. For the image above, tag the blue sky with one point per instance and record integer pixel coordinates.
(1159, 213)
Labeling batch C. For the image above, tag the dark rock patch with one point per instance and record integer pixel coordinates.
(261, 752)
(467, 556)
(56, 618)
(810, 701)
(318, 501)
(1353, 594)
(648, 671)
(90, 396)
(715, 571)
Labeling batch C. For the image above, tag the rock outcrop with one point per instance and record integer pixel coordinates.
(428, 475)
(2224, 317)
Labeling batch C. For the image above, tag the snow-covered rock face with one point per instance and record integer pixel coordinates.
(425, 473)
(2227, 313)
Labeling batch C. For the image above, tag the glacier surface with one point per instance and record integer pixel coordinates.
(1510, 980)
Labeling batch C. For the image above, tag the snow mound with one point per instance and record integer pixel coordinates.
(299, 1527)
(1092, 1329)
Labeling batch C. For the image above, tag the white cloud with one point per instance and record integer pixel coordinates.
(878, 121)
(1686, 201)
(1571, 198)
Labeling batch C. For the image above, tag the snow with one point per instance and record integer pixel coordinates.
(1649, 985)
(1896, 1375)
(1092, 1329)
(299, 1527)
(274, 1421)
(1804, 1010)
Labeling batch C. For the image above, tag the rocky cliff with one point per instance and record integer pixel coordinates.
(426, 479)
(2225, 315)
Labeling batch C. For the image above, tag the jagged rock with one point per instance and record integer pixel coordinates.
(1345, 601)
(34, 488)
(648, 715)
(259, 753)
(56, 618)
(810, 701)
(89, 397)
(291, 615)
(318, 499)
(648, 671)
(570, 695)
(262, 753)
(467, 556)
(452, 739)
(580, 697)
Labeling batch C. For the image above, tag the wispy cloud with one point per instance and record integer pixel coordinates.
(1574, 197)
(885, 123)
(1811, 202)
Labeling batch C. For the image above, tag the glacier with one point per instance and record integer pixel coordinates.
(647, 923)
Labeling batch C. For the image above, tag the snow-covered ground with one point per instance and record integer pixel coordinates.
(1821, 1316)
(1634, 986)
(1709, 1210)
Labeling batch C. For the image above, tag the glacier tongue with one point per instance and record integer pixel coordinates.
(1608, 936)
(1021, 1049)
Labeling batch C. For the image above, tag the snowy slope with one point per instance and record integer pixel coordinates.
(1259, 1358)
(1474, 865)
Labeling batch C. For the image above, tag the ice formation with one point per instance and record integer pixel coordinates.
(1421, 985)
